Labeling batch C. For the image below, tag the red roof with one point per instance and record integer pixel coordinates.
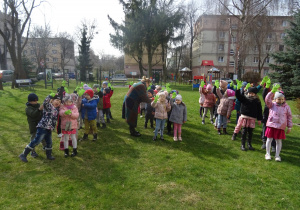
(207, 63)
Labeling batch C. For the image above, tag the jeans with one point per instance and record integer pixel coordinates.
(222, 120)
(41, 134)
(160, 124)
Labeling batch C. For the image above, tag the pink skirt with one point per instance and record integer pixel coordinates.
(275, 133)
(73, 131)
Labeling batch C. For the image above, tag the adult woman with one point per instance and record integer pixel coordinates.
(136, 94)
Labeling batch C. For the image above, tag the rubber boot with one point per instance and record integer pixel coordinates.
(49, 156)
(219, 131)
(224, 131)
(85, 137)
(244, 133)
(23, 156)
(34, 154)
(74, 153)
(233, 136)
(95, 137)
(103, 125)
(250, 133)
(66, 153)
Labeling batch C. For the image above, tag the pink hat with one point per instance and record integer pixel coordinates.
(230, 93)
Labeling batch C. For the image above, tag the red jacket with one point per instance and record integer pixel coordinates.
(106, 99)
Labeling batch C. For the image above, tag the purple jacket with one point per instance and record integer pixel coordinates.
(280, 116)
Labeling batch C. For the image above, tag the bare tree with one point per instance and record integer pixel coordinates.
(17, 23)
(66, 44)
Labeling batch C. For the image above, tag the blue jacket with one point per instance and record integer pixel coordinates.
(89, 108)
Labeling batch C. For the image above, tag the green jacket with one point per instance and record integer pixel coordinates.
(34, 115)
(100, 103)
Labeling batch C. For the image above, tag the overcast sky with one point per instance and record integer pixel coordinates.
(66, 15)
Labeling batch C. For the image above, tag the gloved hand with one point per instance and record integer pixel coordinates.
(231, 84)
(202, 84)
(265, 79)
(108, 85)
(275, 88)
(169, 89)
(68, 112)
(168, 85)
(234, 87)
(217, 83)
(63, 83)
(156, 98)
(239, 84)
(247, 86)
(66, 90)
(112, 88)
(81, 92)
(131, 83)
(268, 83)
(82, 84)
(173, 95)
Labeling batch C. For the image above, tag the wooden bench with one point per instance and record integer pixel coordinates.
(119, 82)
(25, 84)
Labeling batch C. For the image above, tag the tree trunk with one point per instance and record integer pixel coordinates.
(149, 64)
(1, 85)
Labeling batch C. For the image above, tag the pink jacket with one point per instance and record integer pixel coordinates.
(226, 103)
(64, 118)
(280, 116)
(210, 99)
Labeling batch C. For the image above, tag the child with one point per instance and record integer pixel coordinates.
(280, 117)
(250, 111)
(34, 114)
(107, 93)
(149, 113)
(161, 113)
(178, 116)
(209, 102)
(224, 108)
(89, 114)
(45, 127)
(69, 115)
(100, 115)
(223, 87)
(201, 99)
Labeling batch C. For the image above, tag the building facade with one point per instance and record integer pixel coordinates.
(218, 40)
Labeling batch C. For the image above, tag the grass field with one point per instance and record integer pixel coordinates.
(205, 171)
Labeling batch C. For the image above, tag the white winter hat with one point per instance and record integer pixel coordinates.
(178, 97)
(278, 95)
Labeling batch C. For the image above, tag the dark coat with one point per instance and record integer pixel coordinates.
(34, 115)
(136, 94)
(249, 106)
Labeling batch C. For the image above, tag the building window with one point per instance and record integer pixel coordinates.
(47, 59)
(255, 70)
(32, 52)
(32, 44)
(281, 47)
(234, 26)
(54, 51)
(231, 63)
(255, 48)
(268, 60)
(266, 72)
(221, 47)
(268, 47)
(269, 36)
(55, 59)
(53, 44)
(222, 22)
(255, 60)
(231, 52)
(222, 34)
(221, 59)
(284, 23)
(24, 52)
(233, 39)
(282, 35)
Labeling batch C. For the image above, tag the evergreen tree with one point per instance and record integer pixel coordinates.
(287, 72)
(84, 60)
(27, 65)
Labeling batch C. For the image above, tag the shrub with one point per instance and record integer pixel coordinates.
(251, 77)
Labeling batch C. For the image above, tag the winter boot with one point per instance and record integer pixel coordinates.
(23, 156)
(224, 131)
(95, 137)
(219, 131)
(49, 156)
(243, 145)
(103, 125)
(85, 137)
(98, 125)
(233, 136)
(244, 134)
(66, 153)
(250, 133)
(74, 153)
(34, 154)
(133, 132)
(108, 121)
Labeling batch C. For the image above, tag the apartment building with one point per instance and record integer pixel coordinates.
(51, 53)
(218, 41)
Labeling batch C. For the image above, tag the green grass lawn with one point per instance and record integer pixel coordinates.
(205, 171)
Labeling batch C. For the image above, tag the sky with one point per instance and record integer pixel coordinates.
(67, 15)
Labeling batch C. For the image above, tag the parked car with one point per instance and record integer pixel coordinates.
(71, 75)
(57, 75)
(41, 75)
(7, 75)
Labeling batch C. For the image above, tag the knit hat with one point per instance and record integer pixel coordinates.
(86, 87)
(107, 90)
(279, 94)
(33, 97)
(105, 83)
(57, 97)
(96, 86)
(178, 97)
(230, 93)
(151, 91)
(252, 90)
(244, 84)
(223, 84)
(153, 87)
(89, 92)
(209, 87)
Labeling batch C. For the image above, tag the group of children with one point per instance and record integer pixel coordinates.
(87, 104)
(223, 98)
